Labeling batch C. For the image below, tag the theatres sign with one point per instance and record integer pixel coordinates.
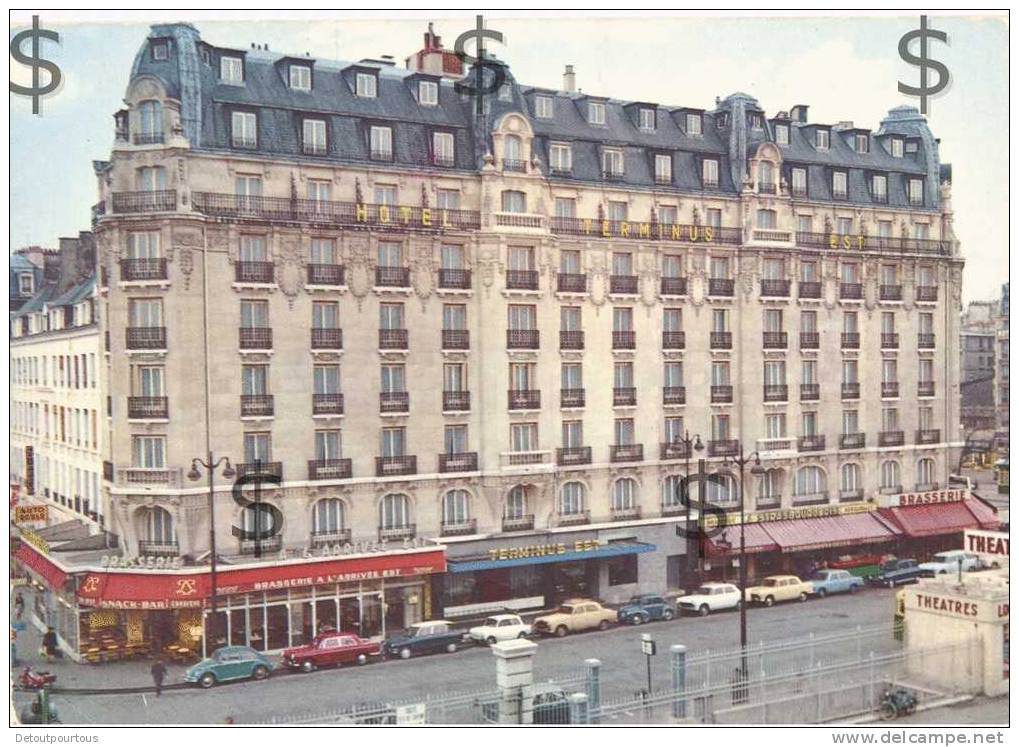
(993, 546)
(947, 495)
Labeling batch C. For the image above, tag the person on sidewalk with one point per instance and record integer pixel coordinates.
(19, 606)
(158, 675)
(49, 644)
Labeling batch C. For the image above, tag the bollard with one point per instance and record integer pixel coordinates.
(578, 708)
(678, 654)
(515, 679)
(593, 689)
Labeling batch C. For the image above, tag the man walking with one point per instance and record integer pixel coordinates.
(158, 675)
(19, 606)
(49, 644)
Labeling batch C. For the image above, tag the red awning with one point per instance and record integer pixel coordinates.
(828, 531)
(50, 572)
(755, 539)
(941, 518)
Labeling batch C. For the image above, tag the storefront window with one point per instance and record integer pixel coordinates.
(350, 614)
(461, 588)
(622, 570)
(526, 581)
(325, 615)
(394, 599)
(238, 627)
(277, 628)
(215, 626)
(301, 623)
(371, 615)
(256, 628)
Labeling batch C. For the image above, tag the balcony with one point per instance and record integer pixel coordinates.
(147, 408)
(889, 340)
(515, 165)
(673, 395)
(261, 546)
(890, 438)
(133, 270)
(721, 393)
(255, 338)
(524, 399)
(928, 436)
(673, 509)
(327, 404)
(723, 447)
(459, 401)
(392, 339)
(889, 389)
(851, 496)
(775, 393)
(775, 340)
(721, 340)
(811, 443)
(852, 440)
(810, 499)
(254, 272)
(850, 340)
(397, 534)
(147, 138)
(320, 274)
(613, 175)
(674, 450)
(925, 340)
(851, 291)
(522, 339)
(380, 155)
(721, 286)
(522, 280)
(925, 389)
(518, 220)
(164, 477)
(518, 523)
(464, 461)
(314, 149)
(329, 469)
(454, 279)
(774, 444)
(623, 284)
(329, 539)
(890, 292)
(390, 402)
(151, 201)
(673, 340)
(256, 405)
(396, 465)
(326, 338)
(392, 277)
(146, 338)
(625, 513)
(775, 288)
(574, 519)
(443, 160)
(456, 339)
(810, 392)
(571, 398)
(624, 340)
(851, 390)
(624, 396)
(673, 286)
(626, 453)
(810, 340)
(459, 528)
(767, 188)
(155, 549)
(927, 293)
(259, 467)
(571, 282)
(571, 455)
(571, 339)
(809, 289)
(561, 171)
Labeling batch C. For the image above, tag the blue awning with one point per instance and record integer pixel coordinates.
(611, 550)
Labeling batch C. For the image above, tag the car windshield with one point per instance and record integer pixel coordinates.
(565, 609)
(703, 590)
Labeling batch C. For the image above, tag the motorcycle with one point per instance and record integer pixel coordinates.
(898, 702)
(35, 680)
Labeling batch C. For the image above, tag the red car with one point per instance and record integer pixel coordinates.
(331, 649)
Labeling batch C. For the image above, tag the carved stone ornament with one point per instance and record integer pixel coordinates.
(185, 242)
(290, 270)
(598, 276)
(423, 269)
(359, 268)
(650, 280)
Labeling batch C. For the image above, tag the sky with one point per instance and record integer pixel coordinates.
(843, 67)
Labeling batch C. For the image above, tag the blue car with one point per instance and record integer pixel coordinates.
(644, 608)
(834, 581)
(227, 664)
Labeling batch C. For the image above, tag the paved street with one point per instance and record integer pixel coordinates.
(468, 671)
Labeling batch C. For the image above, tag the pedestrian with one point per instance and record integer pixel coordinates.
(49, 644)
(158, 675)
(14, 648)
(19, 606)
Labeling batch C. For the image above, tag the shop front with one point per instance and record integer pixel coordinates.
(936, 520)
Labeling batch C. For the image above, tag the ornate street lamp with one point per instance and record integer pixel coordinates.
(210, 465)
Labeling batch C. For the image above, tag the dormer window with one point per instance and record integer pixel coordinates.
(693, 125)
(428, 93)
(543, 107)
(822, 139)
(314, 137)
(709, 172)
(862, 143)
(782, 134)
(647, 119)
(505, 92)
(244, 130)
(26, 283)
(367, 85)
(663, 168)
(612, 163)
(160, 51)
(595, 113)
(560, 158)
(839, 185)
(300, 77)
(879, 187)
(896, 147)
(231, 69)
(442, 149)
(755, 120)
(381, 143)
(911, 146)
(916, 191)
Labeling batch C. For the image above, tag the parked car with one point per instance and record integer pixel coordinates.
(643, 608)
(948, 562)
(423, 638)
(229, 663)
(331, 649)
(897, 571)
(779, 589)
(711, 597)
(575, 615)
(499, 628)
(834, 581)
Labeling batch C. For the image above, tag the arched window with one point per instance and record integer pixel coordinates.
(770, 486)
(516, 503)
(849, 478)
(624, 494)
(150, 120)
(721, 490)
(767, 219)
(765, 176)
(672, 496)
(158, 527)
(924, 472)
(512, 149)
(328, 516)
(571, 499)
(891, 476)
(514, 201)
(394, 511)
(456, 508)
(810, 481)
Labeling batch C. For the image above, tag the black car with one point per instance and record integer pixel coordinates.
(897, 572)
(429, 637)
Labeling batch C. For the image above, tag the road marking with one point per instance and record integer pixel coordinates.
(146, 702)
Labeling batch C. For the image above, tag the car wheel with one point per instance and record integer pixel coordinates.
(667, 615)
(822, 593)
(704, 610)
(451, 648)
(308, 666)
(852, 588)
(769, 601)
(521, 634)
(561, 631)
(208, 680)
(260, 672)
(491, 640)
(942, 571)
(891, 583)
(637, 619)
(362, 659)
(404, 653)
(803, 596)
(603, 625)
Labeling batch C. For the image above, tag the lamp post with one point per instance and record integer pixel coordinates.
(211, 466)
(690, 444)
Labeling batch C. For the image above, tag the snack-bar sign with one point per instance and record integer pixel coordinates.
(948, 495)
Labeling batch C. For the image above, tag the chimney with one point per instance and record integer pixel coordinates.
(432, 40)
(569, 80)
(799, 113)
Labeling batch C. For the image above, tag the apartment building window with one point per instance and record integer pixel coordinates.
(808, 322)
(884, 228)
(624, 431)
(571, 376)
(672, 266)
(713, 217)
(916, 192)
(775, 426)
(672, 320)
(772, 321)
(524, 437)
(569, 262)
(300, 77)
(672, 374)
(850, 325)
(693, 125)
(447, 199)
(926, 417)
(668, 214)
(393, 378)
(254, 380)
(570, 319)
(522, 376)
(767, 219)
(850, 422)
(231, 69)
(782, 134)
(822, 139)
(921, 231)
(808, 372)
(889, 371)
(879, 187)
(809, 420)
(673, 432)
(391, 316)
(618, 211)
(571, 499)
(719, 269)
(147, 312)
(623, 375)
(150, 178)
(253, 249)
(323, 251)
(328, 516)
(926, 323)
(719, 320)
(326, 379)
(850, 371)
(565, 207)
(544, 107)
(148, 452)
(573, 434)
(516, 503)
(394, 510)
(393, 442)
(799, 179)
(521, 317)
(663, 168)
(646, 119)
(141, 245)
(709, 172)
(560, 157)
(454, 377)
(774, 373)
(428, 93)
(839, 185)
(442, 148)
(612, 162)
(810, 481)
(390, 254)
(327, 445)
(804, 223)
(314, 136)
(622, 319)
(720, 427)
(891, 476)
(381, 143)
(890, 419)
(926, 371)
(925, 471)
(366, 85)
(244, 129)
(514, 201)
(622, 264)
(595, 113)
(720, 373)
(385, 194)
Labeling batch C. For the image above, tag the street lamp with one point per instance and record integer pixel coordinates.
(229, 473)
(690, 444)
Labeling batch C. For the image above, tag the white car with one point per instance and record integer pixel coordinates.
(499, 628)
(709, 598)
(948, 562)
